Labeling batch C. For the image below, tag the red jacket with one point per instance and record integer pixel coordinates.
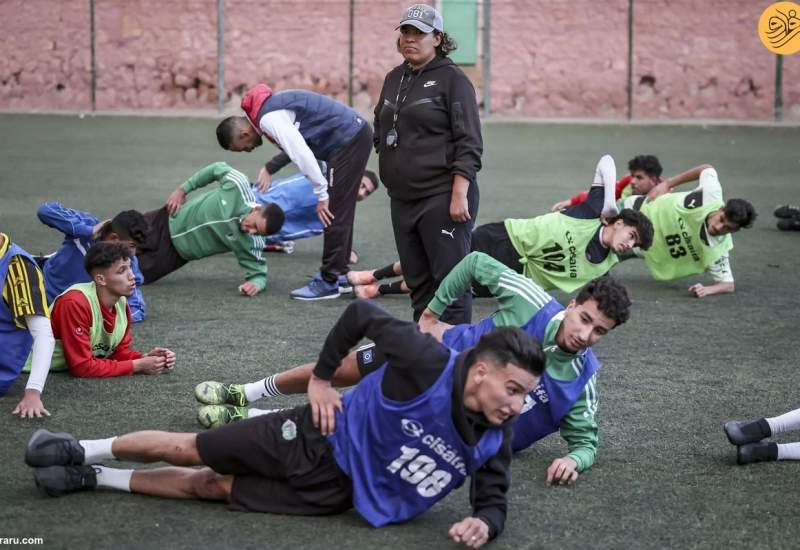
(71, 320)
(252, 101)
(621, 185)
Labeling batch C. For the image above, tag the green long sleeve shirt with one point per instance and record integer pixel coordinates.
(210, 224)
(520, 299)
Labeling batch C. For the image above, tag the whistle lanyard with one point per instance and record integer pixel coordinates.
(397, 101)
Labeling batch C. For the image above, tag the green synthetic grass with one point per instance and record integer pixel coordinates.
(665, 475)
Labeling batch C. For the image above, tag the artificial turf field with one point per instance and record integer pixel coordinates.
(665, 474)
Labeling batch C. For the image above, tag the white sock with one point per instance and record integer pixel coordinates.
(785, 422)
(263, 388)
(114, 478)
(97, 450)
(788, 451)
(605, 174)
(253, 412)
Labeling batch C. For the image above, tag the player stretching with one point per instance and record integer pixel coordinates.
(391, 448)
(561, 250)
(748, 436)
(566, 400)
(693, 229)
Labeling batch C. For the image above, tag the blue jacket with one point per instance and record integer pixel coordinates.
(295, 195)
(65, 268)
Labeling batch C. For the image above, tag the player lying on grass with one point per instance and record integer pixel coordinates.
(692, 229)
(391, 447)
(561, 250)
(644, 174)
(24, 326)
(227, 219)
(748, 437)
(295, 195)
(91, 321)
(566, 400)
(82, 230)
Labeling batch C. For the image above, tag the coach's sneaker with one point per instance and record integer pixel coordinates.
(756, 452)
(789, 224)
(46, 448)
(344, 285)
(217, 393)
(55, 481)
(787, 211)
(317, 289)
(361, 277)
(740, 433)
(212, 416)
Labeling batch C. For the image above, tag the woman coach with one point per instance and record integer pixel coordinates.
(428, 139)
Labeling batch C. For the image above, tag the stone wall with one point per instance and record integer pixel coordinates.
(550, 58)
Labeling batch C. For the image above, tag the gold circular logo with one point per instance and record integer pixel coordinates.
(779, 28)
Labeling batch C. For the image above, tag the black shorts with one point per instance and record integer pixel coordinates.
(493, 239)
(157, 255)
(281, 465)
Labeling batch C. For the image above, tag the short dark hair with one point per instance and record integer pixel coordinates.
(648, 164)
(129, 224)
(611, 297)
(226, 131)
(274, 215)
(509, 345)
(373, 177)
(740, 212)
(642, 223)
(103, 254)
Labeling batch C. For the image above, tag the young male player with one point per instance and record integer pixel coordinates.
(295, 195)
(561, 250)
(692, 229)
(91, 321)
(566, 400)
(644, 174)
(309, 127)
(391, 448)
(82, 230)
(24, 326)
(227, 219)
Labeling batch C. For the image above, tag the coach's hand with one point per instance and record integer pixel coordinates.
(264, 180)
(175, 200)
(249, 289)
(150, 364)
(562, 472)
(471, 532)
(324, 401)
(561, 205)
(324, 215)
(31, 405)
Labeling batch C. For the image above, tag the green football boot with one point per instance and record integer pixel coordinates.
(213, 416)
(216, 393)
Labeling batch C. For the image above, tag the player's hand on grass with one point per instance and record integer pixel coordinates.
(471, 532)
(167, 354)
(248, 289)
(561, 205)
(175, 200)
(658, 190)
(150, 364)
(264, 180)
(31, 405)
(698, 290)
(562, 472)
(324, 215)
(459, 207)
(324, 400)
